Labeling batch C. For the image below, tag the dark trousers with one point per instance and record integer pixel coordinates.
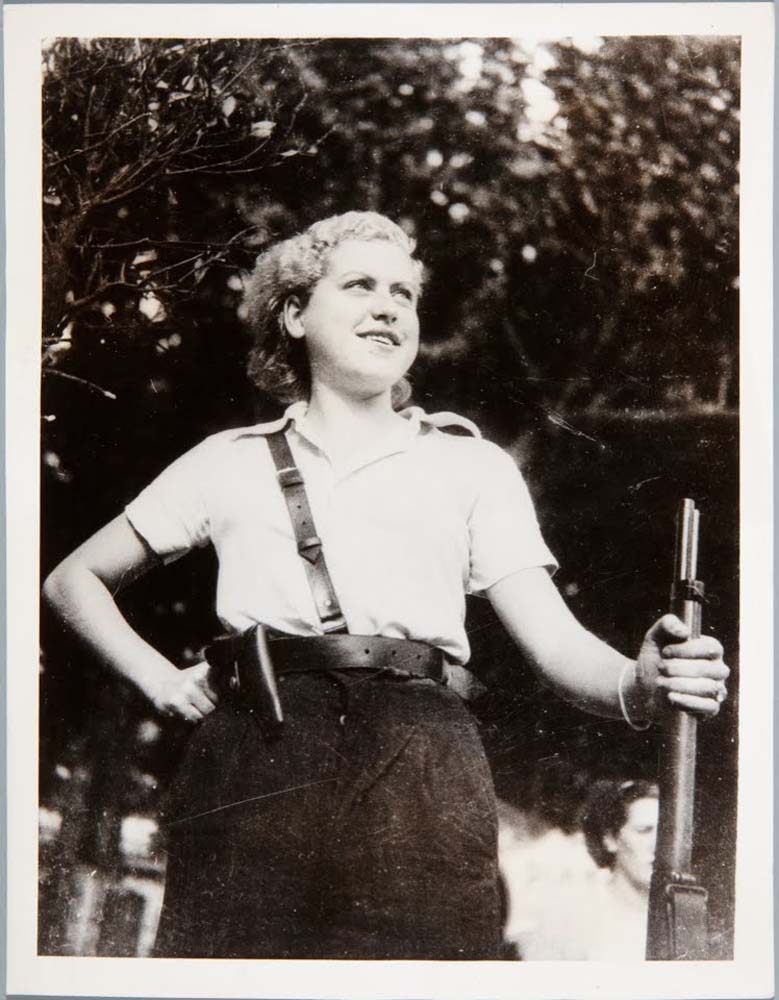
(366, 830)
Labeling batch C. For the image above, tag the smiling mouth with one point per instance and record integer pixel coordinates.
(384, 337)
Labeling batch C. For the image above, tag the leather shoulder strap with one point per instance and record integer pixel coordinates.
(308, 542)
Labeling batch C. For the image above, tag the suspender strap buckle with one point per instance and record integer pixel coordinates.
(310, 547)
(337, 624)
(290, 476)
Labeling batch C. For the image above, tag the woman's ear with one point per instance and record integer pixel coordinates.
(293, 318)
(610, 843)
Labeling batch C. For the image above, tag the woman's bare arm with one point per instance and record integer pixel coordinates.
(81, 591)
(586, 671)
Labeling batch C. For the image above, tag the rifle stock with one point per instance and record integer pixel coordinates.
(678, 906)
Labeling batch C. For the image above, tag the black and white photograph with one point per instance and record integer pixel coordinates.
(388, 421)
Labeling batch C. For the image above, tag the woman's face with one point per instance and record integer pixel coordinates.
(634, 846)
(360, 323)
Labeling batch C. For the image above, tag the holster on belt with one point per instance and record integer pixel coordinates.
(242, 669)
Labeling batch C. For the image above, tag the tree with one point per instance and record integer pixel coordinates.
(585, 261)
(646, 204)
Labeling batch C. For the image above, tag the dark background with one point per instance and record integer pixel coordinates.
(581, 307)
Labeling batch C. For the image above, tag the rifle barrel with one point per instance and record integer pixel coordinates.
(673, 889)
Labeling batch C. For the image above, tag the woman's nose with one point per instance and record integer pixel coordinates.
(384, 306)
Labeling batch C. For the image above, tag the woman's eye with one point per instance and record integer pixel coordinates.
(358, 283)
(405, 293)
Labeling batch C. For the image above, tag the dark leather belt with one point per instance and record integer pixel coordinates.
(398, 657)
(244, 667)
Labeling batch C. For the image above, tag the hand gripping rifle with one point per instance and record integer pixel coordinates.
(677, 904)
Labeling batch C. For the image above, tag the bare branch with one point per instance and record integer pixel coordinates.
(96, 145)
(215, 167)
(87, 300)
(249, 64)
(295, 112)
(144, 241)
(106, 393)
(303, 43)
(88, 114)
(97, 262)
(177, 244)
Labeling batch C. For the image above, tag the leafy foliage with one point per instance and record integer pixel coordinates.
(584, 260)
(647, 194)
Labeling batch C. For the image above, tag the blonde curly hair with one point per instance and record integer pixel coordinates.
(278, 364)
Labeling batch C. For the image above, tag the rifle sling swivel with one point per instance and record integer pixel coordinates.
(688, 590)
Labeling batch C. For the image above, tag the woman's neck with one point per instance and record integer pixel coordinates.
(631, 895)
(346, 424)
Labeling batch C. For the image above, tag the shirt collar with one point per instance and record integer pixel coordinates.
(293, 413)
(417, 416)
(417, 419)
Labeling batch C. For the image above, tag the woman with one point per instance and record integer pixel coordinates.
(597, 912)
(364, 827)
(620, 828)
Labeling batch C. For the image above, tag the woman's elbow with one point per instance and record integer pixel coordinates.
(52, 588)
(60, 587)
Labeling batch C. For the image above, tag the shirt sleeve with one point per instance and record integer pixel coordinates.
(504, 533)
(172, 513)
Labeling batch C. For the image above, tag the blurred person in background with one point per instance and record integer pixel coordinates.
(599, 912)
(620, 828)
(366, 826)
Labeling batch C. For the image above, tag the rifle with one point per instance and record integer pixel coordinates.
(678, 906)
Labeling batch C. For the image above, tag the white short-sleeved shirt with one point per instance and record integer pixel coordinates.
(408, 526)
